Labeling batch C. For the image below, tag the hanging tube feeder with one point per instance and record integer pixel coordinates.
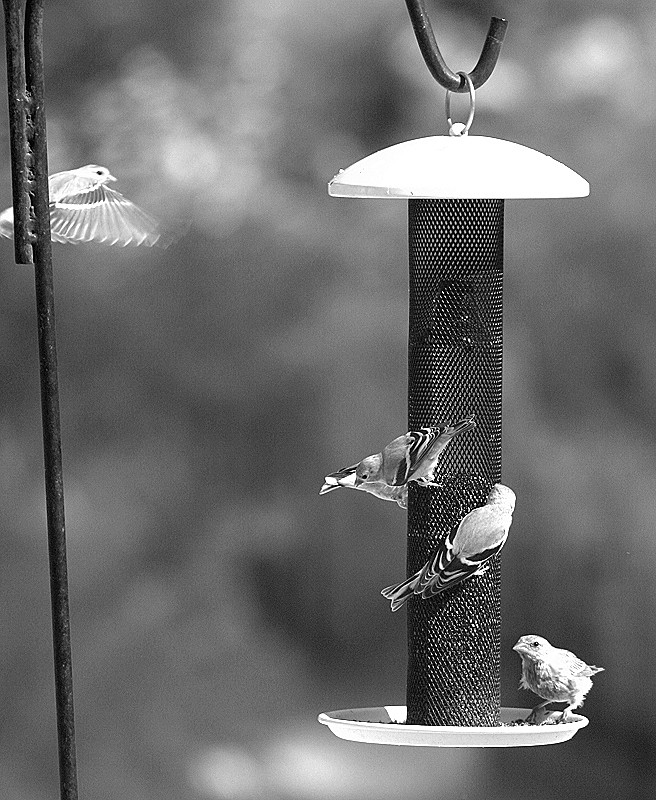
(455, 186)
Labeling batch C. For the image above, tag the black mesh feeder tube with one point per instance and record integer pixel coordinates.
(454, 369)
(455, 187)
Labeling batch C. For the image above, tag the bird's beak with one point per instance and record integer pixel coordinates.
(110, 178)
(519, 648)
(350, 481)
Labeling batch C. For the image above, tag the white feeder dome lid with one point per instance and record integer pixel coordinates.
(458, 167)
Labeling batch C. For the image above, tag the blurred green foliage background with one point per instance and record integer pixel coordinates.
(218, 603)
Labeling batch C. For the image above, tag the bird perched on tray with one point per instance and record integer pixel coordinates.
(555, 675)
(411, 457)
(84, 209)
(464, 553)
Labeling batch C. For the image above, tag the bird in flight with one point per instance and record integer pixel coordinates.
(83, 208)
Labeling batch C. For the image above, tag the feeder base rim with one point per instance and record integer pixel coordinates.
(386, 725)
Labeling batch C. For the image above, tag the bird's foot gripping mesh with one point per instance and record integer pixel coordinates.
(455, 362)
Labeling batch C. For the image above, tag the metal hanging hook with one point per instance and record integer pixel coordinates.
(453, 81)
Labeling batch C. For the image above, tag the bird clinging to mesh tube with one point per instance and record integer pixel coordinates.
(410, 457)
(83, 208)
(468, 547)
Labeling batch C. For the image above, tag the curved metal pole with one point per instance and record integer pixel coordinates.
(435, 62)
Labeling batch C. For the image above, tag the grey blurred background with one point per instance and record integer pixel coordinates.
(218, 603)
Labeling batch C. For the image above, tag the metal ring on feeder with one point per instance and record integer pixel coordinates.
(457, 128)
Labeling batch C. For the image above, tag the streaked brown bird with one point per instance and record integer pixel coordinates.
(555, 675)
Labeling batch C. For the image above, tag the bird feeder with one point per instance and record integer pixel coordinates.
(455, 187)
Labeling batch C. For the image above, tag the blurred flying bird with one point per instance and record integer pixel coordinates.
(84, 209)
(411, 457)
(464, 553)
(555, 675)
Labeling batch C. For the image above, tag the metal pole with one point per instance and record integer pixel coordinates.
(455, 364)
(20, 155)
(33, 243)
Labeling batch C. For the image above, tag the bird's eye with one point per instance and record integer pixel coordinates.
(535, 644)
(99, 172)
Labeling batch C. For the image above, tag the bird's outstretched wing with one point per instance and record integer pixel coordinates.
(101, 214)
(7, 223)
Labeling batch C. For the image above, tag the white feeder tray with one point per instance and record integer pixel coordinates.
(458, 167)
(386, 725)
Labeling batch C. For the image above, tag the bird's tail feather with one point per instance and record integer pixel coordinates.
(400, 592)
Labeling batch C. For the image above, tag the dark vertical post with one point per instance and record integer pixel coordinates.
(20, 155)
(455, 367)
(32, 238)
(54, 480)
